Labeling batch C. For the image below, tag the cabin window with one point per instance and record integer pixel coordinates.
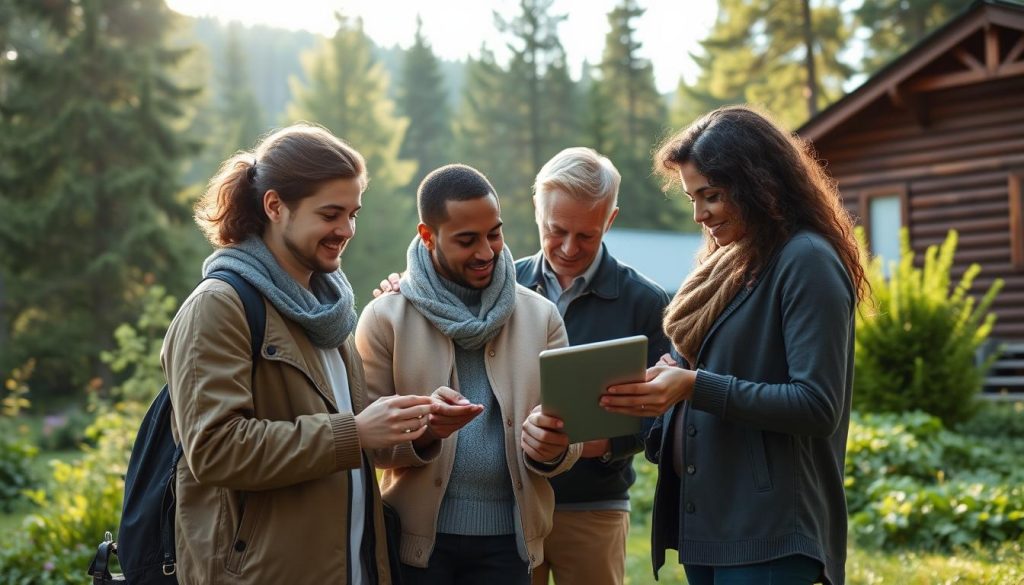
(883, 213)
(1017, 220)
(885, 226)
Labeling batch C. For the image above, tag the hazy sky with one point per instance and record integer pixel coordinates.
(669, 30)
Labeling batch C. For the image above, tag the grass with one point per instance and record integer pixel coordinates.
(1002, 565)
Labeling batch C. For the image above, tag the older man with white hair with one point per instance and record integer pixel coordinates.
(599, 298)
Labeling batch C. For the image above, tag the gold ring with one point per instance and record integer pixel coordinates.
(407, 431)
(643, 406)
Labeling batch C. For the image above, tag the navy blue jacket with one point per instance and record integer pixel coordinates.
(618, 302)
(764, 435)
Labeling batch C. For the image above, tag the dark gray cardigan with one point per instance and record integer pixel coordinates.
(764, 435)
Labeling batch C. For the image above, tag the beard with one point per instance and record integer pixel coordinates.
(451, 274)
(311, 260)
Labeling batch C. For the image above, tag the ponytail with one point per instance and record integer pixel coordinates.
(293, 161)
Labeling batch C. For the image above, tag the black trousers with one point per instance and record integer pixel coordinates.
(471, 560)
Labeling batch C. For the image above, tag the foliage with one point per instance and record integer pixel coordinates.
(347, 93)
(917, 338)
(910, 482)
(996, 420)
(756, 53)
(487, 134)
(423, 98)
(634, 116)
(240, 114)
(16, 450)
(514, 118)
(83, 498)
(897, 25)
(89, 161)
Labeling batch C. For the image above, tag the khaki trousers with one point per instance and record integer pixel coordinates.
(585, 548)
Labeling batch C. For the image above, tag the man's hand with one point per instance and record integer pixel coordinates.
(389, 284)
(449, 412)
(543, 438)
(390, 420)
(596, 448)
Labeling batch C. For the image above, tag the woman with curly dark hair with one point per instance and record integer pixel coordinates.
(754, 402)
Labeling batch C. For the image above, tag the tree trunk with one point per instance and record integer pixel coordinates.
(812, 77)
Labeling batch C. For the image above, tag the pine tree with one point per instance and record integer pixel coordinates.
(423, 99)
(757, 53)
(240, 113)
(347, 94)
(513, 119)
(90, 158)
(637, 118)
(595, 122)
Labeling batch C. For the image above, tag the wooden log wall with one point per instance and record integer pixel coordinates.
(956, 173)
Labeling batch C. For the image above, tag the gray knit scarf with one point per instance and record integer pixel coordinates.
(327, 314)
(422, 286)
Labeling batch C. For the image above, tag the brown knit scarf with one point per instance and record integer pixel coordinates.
(703, 297)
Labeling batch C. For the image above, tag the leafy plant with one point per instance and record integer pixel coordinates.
(16, 450)
(996, 420)
(917, 336)
(911, 482)
(83, 498)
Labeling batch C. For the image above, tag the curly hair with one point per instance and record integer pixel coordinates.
(772, 177)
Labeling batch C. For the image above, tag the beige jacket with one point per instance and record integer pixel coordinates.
(404, 353)
(263, 486)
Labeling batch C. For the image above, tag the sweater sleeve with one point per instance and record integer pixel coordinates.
(649, 321)
(817, 305)
(557, 337)
(208, 362)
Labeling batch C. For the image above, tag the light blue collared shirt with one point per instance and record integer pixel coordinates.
(553, 290)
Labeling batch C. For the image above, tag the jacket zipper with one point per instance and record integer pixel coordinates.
(511, 474)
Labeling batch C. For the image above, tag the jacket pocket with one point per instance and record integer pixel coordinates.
(243, 541)
(758, 460)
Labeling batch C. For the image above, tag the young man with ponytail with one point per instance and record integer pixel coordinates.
(276, 481)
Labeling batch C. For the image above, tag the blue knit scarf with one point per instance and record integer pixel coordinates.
(422, 286)
(326, 311)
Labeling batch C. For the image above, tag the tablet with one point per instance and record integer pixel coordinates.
(572, 380)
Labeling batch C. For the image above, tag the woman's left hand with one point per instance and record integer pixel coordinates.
(665, 386)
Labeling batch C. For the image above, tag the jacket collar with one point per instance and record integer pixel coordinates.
(605, 283)
(286, 341)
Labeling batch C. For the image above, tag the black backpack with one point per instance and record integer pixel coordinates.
(145, 547)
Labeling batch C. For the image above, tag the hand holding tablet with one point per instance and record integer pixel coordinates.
(574, 378)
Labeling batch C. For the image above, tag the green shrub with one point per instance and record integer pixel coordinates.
(904, 512)
(16, 454)
(917, 338)
(911, 482)
(996, 420)
(16, 450)
(83, 498)
(65, 431)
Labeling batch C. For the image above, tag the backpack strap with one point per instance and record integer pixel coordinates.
(255, 309)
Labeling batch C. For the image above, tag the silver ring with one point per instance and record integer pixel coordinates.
(407, 431)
